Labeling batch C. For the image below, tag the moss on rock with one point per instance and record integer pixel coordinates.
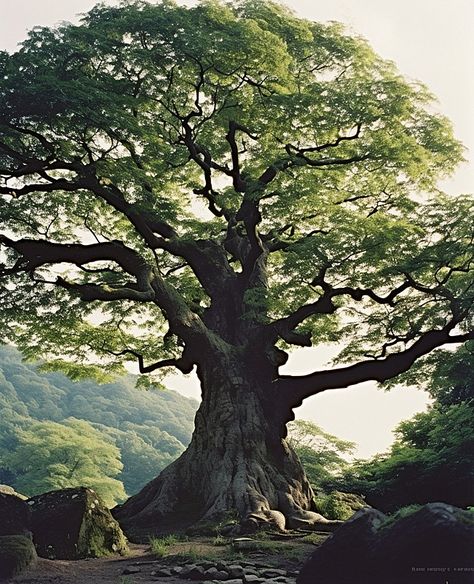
(17, 552)
(73, 524)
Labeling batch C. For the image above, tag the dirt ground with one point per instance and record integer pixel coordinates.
(288, 554)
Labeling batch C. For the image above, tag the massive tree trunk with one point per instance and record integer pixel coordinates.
(237, 464)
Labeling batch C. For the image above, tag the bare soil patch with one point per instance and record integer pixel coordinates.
(287, 553)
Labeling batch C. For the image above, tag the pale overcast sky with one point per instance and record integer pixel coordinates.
(429, 40)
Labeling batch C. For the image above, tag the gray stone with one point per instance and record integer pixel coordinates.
(162, 572)
(235, 571)
(273, 573)
(253, 579)
(193, 572)
(211, 572)
(131, 570)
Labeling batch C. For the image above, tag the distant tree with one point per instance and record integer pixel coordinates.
(323, 455)
(318, 164)
(49, 456)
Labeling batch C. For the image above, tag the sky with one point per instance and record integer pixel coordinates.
(430, 41)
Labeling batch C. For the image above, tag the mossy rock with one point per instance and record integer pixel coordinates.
(407, 548)
(70, 524)
(17, 552)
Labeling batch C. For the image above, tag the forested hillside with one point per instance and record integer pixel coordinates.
(43, 412)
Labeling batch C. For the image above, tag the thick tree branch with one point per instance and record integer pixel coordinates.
(295, 389)
(37, 253)
(284, 327)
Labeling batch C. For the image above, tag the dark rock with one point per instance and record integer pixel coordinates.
(273, 573)
(343, 556)
(162, 572)
(235, 571)
(131, 570)
(431, 542)
(193, 572)
(73, 524)
(253, 579)
(15, 515)
(17, 552)
(437, 536)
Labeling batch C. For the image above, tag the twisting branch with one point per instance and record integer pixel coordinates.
(339, 139)
(183, 364)
(37, 253)
(293, 390)
(284, 327)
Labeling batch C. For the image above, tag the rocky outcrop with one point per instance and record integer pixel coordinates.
(73, 524)
(418, 546)
(218, 572)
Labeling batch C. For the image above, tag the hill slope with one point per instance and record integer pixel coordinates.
(151, 428)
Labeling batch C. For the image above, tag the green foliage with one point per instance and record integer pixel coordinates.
(351, 142)
(159, 546)
(433, 456)
(49, 456)
(323, 455)
(400, 514)
(338, 505)
(57, 433)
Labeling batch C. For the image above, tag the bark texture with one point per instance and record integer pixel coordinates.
(238, 465)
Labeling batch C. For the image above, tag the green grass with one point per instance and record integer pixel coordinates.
(315, 538)
(159, 546)
(219, 540)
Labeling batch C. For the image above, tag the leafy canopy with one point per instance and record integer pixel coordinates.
(165, 152)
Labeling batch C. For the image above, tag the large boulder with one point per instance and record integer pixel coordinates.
(73, 524)
(430, 544)
(17, 552)
(342, 558)
(15, 515)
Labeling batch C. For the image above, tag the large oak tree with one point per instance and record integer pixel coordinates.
(203, 189)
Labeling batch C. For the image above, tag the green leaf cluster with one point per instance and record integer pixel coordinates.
(109, 93)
